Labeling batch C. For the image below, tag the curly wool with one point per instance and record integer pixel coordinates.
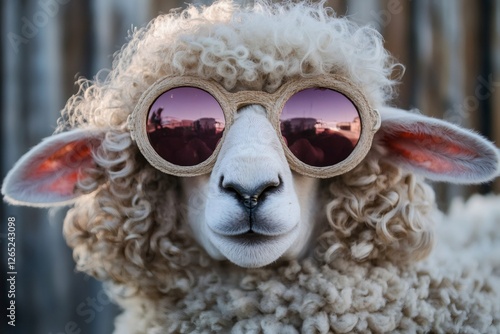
(129, 227)
(377, 211)
(449, 293)
(222, 43)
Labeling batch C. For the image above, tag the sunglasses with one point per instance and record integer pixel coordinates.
(325, 124)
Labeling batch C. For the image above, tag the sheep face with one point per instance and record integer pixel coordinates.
(250, 211)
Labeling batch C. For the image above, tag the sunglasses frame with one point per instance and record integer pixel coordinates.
(273, 103)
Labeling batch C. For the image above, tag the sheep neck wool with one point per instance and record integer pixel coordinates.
(451, 292)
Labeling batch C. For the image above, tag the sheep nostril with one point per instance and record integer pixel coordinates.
(250, 197)
(250, 202)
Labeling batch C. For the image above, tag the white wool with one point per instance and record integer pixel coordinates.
(455, 290)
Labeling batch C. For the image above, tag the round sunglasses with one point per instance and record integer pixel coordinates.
(325, 123)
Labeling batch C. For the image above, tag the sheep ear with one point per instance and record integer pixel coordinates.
(436, 149)
(47, 174)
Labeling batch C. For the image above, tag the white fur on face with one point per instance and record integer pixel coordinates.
(251, 162)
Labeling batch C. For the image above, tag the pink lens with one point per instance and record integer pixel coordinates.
(184, 125)
(321, 126)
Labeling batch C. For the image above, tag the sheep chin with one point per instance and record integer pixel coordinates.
(253, 251)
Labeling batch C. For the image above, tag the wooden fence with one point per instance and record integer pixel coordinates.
(451, 49)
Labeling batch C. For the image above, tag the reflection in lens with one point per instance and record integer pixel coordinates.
(321, 126)
(184, 125)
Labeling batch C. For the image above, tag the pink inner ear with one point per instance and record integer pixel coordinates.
(431, 152)
(67, 163)
(63, 185)
(70, 156)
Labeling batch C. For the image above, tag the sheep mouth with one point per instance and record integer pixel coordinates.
(249, 235)
(251, 249)
(249, 238)
(252, 228)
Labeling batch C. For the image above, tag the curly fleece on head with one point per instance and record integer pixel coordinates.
(254, 47)
(131, 231)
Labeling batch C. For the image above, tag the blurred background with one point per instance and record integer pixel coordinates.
(451, 50)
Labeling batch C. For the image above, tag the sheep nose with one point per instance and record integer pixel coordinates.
(250, 196)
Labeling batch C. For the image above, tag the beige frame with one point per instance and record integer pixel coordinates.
(231, 102)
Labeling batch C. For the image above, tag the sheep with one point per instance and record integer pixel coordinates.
(325, 249)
